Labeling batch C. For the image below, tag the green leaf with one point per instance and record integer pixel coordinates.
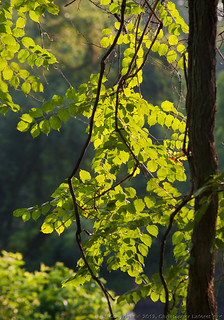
(105, 42)
(7, 73)
(63, 114)
(14, 82)
(20, 23)
(27, 118)
(71, 93)
(53, 8)
(173, 40)
(37, 86)
(181, 48)
(171, 56)
(28, 42)
(8, 39)
(152, 165)
(3, 64)
(36, 214)
(19, 212)
(143, 249)
(114, 8)
(167, 106)
(33, 16)
(35, 112)
(139, 205)
(55, 122)
(23, 126)
(84, 175)
(106, 31)
(24, 74)
(39, 61)
(162, 50)
(146, 239)
(18, 33)
(153, 230)
(31, 60)
(35, 131)
(177, 237)
(47, 228)
(26, 216)
(47, 106)
(57, 100)
(26, 87)
(105, 2)
(45, 126)
(59, 227)
(154, 296)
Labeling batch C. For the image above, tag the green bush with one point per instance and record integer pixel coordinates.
(39, 295)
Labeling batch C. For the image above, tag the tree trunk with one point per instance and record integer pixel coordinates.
(201, 109)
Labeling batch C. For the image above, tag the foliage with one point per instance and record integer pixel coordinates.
(39, 295)
(125, 222)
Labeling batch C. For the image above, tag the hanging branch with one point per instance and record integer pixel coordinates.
(85, 147)
(162, 250)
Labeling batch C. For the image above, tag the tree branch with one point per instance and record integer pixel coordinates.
(162, 250)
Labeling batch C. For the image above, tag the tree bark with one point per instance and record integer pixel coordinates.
(201, 110)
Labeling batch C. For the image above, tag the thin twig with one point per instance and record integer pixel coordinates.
(68, 4)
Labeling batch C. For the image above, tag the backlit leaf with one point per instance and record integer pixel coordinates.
(84, 175)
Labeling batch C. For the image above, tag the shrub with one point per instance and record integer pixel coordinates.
(39, 295)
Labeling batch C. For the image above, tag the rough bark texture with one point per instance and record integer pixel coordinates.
(201, 109)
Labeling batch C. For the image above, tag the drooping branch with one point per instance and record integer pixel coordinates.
(184, 201)
(80, 159)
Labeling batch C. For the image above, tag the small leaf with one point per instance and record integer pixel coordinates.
(7, 73)
(63, 114)
(173, 40)
(45, 126)
(28, 42)
(55, 122)
(36, 112)
(19, 212)
(37, 86)
(20, 23)
(153, 230)
(106, 31)
(35, 131)
(181, 48)
(143, 249)
(47, 228)
(36, 214)
(27, 118)
(71, 93)
(105, 2)
(171, 56)
(146, 239)
(47, 106)
(84, 175)
(57, 100)
(139, 205)
(26, 87)
(162, 50)
(177, 237)
(23, 126)
(26, 216)
(59, 227)
(14, 82)
(104, 42)
(167, 106)
(31, 60)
